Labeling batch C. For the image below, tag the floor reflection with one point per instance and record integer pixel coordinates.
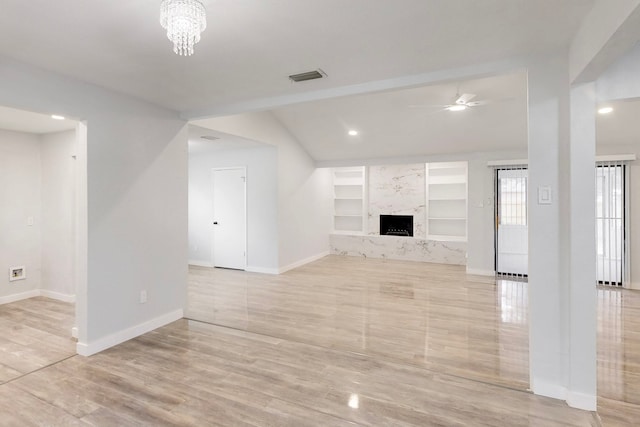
(430, 315)
(619, 344)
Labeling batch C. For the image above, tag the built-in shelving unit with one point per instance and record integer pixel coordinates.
(349, 200)
(446, 185)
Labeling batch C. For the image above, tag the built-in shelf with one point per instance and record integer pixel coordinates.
(445, 238)
(349, 201)
(446, 185)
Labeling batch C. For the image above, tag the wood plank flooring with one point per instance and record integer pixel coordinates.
(341, 341)
(197, 374)
(34, 333)
(429, 315)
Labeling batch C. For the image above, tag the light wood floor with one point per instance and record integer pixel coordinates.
(342, 341)
(34, 333)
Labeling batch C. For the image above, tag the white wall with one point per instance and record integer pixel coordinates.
(136, 202)
(481, 210)
(262, 204)
(619, 82)
(304, 195)
(58, 213)
(20, 198)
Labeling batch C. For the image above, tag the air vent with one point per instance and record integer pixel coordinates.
(309, 75)
(210, 138)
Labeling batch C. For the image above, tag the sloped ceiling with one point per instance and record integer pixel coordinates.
(251, 46)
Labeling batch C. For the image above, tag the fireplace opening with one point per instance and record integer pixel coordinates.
(396, 225)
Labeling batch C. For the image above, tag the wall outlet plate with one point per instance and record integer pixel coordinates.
(17, 273)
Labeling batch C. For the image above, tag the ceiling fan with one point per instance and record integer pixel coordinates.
(461, 103)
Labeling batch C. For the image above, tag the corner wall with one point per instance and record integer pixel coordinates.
(304, 199)
(262, 204)
(20, 195)
(136, 203)
(58, 214)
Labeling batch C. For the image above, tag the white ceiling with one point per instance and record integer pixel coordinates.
(251, 46)
(390, 125)
(200, 145)
(621, 127)
(25, 121)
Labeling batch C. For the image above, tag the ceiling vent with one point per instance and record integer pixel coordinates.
(210, 138)
(309, 75)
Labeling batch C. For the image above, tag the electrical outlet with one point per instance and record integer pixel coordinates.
(143, 297)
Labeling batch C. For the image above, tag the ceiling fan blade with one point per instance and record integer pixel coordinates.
(465, 98)
(427, 106)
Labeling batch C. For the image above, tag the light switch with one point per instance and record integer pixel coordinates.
(544, 195)
(30, 221)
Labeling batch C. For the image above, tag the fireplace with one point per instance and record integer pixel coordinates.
(396, 225)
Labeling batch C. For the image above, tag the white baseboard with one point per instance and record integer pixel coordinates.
(549, 390)
(303, 262)
(262, 270)
(18, 297)
(586, 402)
(480, 272)
(57, 296)
(634, 285)
(38, 293)
(88, 349)
(200, 263)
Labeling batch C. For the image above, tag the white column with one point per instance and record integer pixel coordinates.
(548, 80)
(561, 236)
(583, 302)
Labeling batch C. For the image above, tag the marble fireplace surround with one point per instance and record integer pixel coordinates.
(400, 248)
(398, 190)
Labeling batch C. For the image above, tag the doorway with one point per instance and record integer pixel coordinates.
(511, 226)
(611, 239)
(229, 218)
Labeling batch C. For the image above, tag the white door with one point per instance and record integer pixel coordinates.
(512, 230)
(229, 218)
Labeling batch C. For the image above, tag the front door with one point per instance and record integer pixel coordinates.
(512, 230)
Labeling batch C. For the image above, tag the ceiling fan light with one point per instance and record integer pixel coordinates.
(457, 107)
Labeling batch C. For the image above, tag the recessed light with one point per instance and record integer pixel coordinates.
(605, 110)
(57, 117)
(457, 107)
(353, 132)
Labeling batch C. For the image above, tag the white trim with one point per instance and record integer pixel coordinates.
(549, 390)
(19, 297)
(586, 402)
(88, 349)
(261, 270)
(57, 296)
(480, 272)
(303, 262)
(607, 158)
(513, 162)
(634, 285)
(200, 263)
(616, 158)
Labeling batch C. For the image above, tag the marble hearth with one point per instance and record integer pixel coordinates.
(399, 248)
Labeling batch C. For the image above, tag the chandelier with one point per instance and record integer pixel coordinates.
(184, 20)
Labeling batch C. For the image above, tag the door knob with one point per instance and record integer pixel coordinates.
(215, 222)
